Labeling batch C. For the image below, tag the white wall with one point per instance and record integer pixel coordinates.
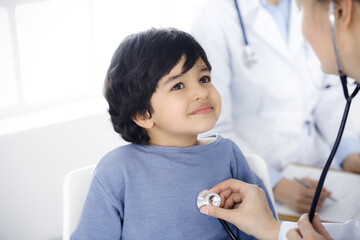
(32, 167)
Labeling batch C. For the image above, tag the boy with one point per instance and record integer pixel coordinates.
(160, 97)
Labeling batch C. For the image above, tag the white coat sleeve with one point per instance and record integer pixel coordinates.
(339, 231)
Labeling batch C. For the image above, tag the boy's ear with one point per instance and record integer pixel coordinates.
(143, 120)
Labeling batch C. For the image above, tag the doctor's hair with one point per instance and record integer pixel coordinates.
(137, 65)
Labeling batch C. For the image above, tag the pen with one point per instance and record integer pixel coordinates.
(308, 185)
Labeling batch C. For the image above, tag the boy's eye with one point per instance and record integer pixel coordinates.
(205, 79)
(177, 86)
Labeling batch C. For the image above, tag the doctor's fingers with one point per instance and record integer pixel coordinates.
(311, 181)
(319, 227)
(229, 200)
(312, 231)
(303, 204)
(305, 231)
(308, 198)
(253, 216)
(294, 234)
(302, 207)
(224, 195)
(233, 199)
(324, 192)
(315, 183)
(309, 193)
(231, 185)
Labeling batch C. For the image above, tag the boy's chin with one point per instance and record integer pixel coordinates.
(206, 128)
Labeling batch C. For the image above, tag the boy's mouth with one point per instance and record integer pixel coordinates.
(204, 109)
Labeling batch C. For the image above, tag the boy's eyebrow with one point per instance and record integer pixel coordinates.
(173, 78)
(170, 79)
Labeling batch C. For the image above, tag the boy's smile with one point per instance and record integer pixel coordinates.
(184, 105)
(204, 109)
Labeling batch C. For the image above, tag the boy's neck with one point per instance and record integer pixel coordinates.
(204, 141)
(180, 141)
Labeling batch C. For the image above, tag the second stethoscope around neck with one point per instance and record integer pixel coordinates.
(249, 56)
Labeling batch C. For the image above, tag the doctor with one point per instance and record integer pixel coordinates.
(277, 104)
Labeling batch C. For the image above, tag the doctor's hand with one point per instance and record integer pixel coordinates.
(253, 215)
(298, 197)
(352, 163)
(308, 231)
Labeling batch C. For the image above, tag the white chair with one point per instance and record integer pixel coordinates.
(259, 166)
(75, 187)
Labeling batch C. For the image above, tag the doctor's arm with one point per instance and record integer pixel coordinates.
(254, 217)
(293, 194)
(296, 196)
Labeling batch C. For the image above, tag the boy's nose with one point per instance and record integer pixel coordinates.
(200, 92)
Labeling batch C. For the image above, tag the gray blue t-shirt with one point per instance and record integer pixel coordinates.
(149, 192)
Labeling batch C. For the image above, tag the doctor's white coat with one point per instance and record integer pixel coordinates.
(280, 108)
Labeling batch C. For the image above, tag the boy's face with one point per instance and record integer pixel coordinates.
(184, 105)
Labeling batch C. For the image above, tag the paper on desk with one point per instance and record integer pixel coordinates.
(344, 187)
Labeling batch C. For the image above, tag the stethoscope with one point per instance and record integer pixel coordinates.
(249, 56)
(213, 199)
(348, 98)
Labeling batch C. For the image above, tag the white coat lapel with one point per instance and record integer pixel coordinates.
(296, 38)
(263, 24)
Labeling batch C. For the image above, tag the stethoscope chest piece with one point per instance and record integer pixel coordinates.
(211, 199)
(249, 56)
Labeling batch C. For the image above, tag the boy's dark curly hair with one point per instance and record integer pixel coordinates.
(137, 65)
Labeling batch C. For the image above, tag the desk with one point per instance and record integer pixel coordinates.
(344, 186)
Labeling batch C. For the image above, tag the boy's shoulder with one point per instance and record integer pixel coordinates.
(227, 141)
(116, 158)
(218, 140)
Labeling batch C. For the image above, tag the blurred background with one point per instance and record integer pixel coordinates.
(53, 59)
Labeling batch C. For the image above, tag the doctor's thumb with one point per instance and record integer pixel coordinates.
(217, 212)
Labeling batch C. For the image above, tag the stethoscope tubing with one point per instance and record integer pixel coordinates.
(228, 230)
(246, 42)
(331, 156)
(348, 98)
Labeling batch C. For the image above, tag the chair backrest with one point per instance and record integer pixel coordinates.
(75, 187)
(259, 167)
